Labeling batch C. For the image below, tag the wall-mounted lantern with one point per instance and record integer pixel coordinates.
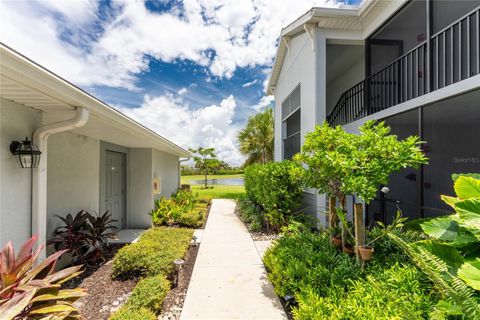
(26, 153)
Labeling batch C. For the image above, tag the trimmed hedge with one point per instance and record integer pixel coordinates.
(149, 294)
(276, 187)
(153, 254)
(125, 313)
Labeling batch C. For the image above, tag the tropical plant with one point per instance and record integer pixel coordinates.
(256, 139)
(32, 290)
(185, 198)
(181, 209)
(206, 160)
(85, 236)
(459, 234)
(457, 298)
(166, 212)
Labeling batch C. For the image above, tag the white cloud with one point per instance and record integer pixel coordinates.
(210, 126)
(265, 102)
(249, 84)
(221, 35)
(78, 11)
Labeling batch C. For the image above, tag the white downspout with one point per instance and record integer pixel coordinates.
(39, 190)
(180, 171)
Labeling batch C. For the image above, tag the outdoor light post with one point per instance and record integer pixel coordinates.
(178, 263)
(26, 153)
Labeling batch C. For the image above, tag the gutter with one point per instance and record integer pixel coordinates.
(39, 187)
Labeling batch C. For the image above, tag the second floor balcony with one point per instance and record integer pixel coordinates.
(439, 59)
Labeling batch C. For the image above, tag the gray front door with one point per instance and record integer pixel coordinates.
(115, 186)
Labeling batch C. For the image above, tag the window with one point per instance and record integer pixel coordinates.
(291, 124)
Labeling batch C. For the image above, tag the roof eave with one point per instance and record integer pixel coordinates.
(81, 98)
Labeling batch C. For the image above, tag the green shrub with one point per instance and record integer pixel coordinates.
(276, 187)
(303, 259)
(127, 313)
(153, 254)
(149, 294)
(192, 219)
(250, 215)
(398, 292)
(328, 284)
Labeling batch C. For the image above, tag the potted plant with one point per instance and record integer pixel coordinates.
(366, 251)
(349, 241)
(336, 236)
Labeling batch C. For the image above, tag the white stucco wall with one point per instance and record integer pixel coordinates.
(165, 166)
(140, 187)
(304, 65)
(145, 165)
(16, 122)
(73, 176)
(298, 68)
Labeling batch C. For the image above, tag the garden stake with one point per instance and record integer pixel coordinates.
(359, 230)
(332, 215)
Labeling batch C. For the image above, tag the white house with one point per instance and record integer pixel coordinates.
(414, 64)
(92, 156)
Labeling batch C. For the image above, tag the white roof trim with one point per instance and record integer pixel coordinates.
(15, 66)
(360, 21)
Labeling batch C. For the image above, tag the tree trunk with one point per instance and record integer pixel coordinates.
(206, 173)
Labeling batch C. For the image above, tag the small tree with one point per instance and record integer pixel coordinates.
(338, 163)
(206, 160)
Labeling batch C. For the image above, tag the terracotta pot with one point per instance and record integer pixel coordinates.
(348, 248)
(366, 253)
(337, 241)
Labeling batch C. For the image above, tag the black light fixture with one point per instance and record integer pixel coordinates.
(26, 153)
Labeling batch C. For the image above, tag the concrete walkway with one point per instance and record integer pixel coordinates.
(229, 280)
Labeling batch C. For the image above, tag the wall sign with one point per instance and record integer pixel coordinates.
(157, 185)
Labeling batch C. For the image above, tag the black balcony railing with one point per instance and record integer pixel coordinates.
(454, 56)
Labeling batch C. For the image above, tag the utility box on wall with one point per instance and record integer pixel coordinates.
(157, 185)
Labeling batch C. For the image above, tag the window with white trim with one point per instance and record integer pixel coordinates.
(291, 124)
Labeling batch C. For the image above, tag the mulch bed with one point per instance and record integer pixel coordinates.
(104, 294)
(173, 303)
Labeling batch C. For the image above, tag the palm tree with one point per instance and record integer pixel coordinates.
(256, 139)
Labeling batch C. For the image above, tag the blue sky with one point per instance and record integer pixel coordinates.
(192, 70)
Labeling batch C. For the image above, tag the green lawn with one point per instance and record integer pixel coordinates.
(217, 191)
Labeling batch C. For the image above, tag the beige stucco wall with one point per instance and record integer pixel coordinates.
(16, 122)
(73, 176)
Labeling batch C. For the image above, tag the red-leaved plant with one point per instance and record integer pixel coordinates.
(32, 289)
